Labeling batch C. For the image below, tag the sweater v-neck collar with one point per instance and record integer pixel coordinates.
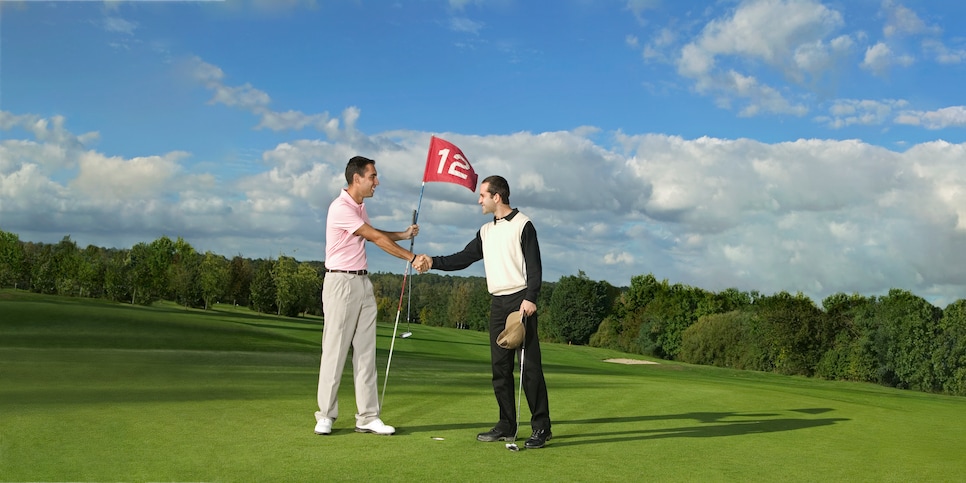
(508, 217)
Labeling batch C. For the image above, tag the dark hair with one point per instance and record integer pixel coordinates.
(357, 165)
(497, 185)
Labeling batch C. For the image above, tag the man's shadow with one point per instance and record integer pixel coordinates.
(708, 425)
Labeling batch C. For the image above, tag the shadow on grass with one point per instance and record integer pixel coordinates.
(711, 425)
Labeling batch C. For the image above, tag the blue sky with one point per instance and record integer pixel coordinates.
(765, 145)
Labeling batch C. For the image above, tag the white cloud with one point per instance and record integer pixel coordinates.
(818, 216)
(770, 29)
(787, 36)
(902, 24)
(53, 143)
(465, 25)
(953, 116)
(618, 258)
(255, 101)
(903, 21)
(660, 43)
(812, 215)
(245, 97)
(877, 58)
(638, 7)
(943, 54)
(867, 112)
(102, 178)
(120, 25)
(295, 120)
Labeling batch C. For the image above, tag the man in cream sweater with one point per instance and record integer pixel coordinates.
(511, 258)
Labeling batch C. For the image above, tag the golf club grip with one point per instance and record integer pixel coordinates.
(412, 241)
(523, 345)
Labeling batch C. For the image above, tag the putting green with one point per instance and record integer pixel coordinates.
(92, 391)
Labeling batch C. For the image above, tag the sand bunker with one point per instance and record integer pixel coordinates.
(629, 361)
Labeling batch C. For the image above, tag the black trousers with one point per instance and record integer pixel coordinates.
(503, 360)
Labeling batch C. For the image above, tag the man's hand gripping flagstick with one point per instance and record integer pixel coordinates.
(445, 163)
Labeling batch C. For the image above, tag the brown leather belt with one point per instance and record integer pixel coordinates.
(350, 272)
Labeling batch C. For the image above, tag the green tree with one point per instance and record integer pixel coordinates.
(478, 315)
(43, 268)
(240, 273)
(90, 275)
(285, 274)
(141, 278)
(11, 259)
(458, 310)
(212, 277)
(309, 287)
(723, 340)
(665, 318)
(795, 333)
(949, 357)
(117, 277)
(850, 357)
(385, 288)
(160, 257)
(263, 287)
(67, 267)
(434, 310)
(183, 274)
(910, 330)
(621, 331)
(578, 305)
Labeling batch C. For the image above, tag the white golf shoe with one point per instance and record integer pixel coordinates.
(324, 426)
(376, 426)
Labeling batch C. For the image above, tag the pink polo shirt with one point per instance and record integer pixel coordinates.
(343, 250)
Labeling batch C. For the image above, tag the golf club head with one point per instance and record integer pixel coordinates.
(406, 335)
(512, 447)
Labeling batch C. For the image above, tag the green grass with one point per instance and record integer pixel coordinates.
(95, 391)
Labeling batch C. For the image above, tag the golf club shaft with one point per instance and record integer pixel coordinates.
(395, 327)
(409, 301)
(519, 392)
(523, 348)
(392, 345)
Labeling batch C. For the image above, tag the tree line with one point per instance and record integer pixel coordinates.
(163, 269)
(898, 340)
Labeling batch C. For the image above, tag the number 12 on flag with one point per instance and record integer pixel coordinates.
(446, 163)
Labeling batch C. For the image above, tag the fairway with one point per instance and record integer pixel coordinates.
(97, 391)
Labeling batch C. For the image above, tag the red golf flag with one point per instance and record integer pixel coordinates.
(446, 163)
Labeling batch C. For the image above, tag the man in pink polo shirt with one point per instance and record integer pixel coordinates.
(348, 302)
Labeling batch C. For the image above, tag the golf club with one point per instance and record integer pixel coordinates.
(513, 446)
(409, 301)
(392, 345)
(395, 327)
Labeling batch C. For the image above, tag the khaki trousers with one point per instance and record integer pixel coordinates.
(349, 308)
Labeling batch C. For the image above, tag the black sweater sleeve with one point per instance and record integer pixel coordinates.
(531, 254)
(472, 253)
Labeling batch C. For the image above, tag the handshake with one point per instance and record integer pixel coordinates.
(423, 263)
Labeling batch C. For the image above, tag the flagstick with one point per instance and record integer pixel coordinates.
(392, 345)
(409, 301)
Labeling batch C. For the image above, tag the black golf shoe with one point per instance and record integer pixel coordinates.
(496, 434)
(538, 438)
